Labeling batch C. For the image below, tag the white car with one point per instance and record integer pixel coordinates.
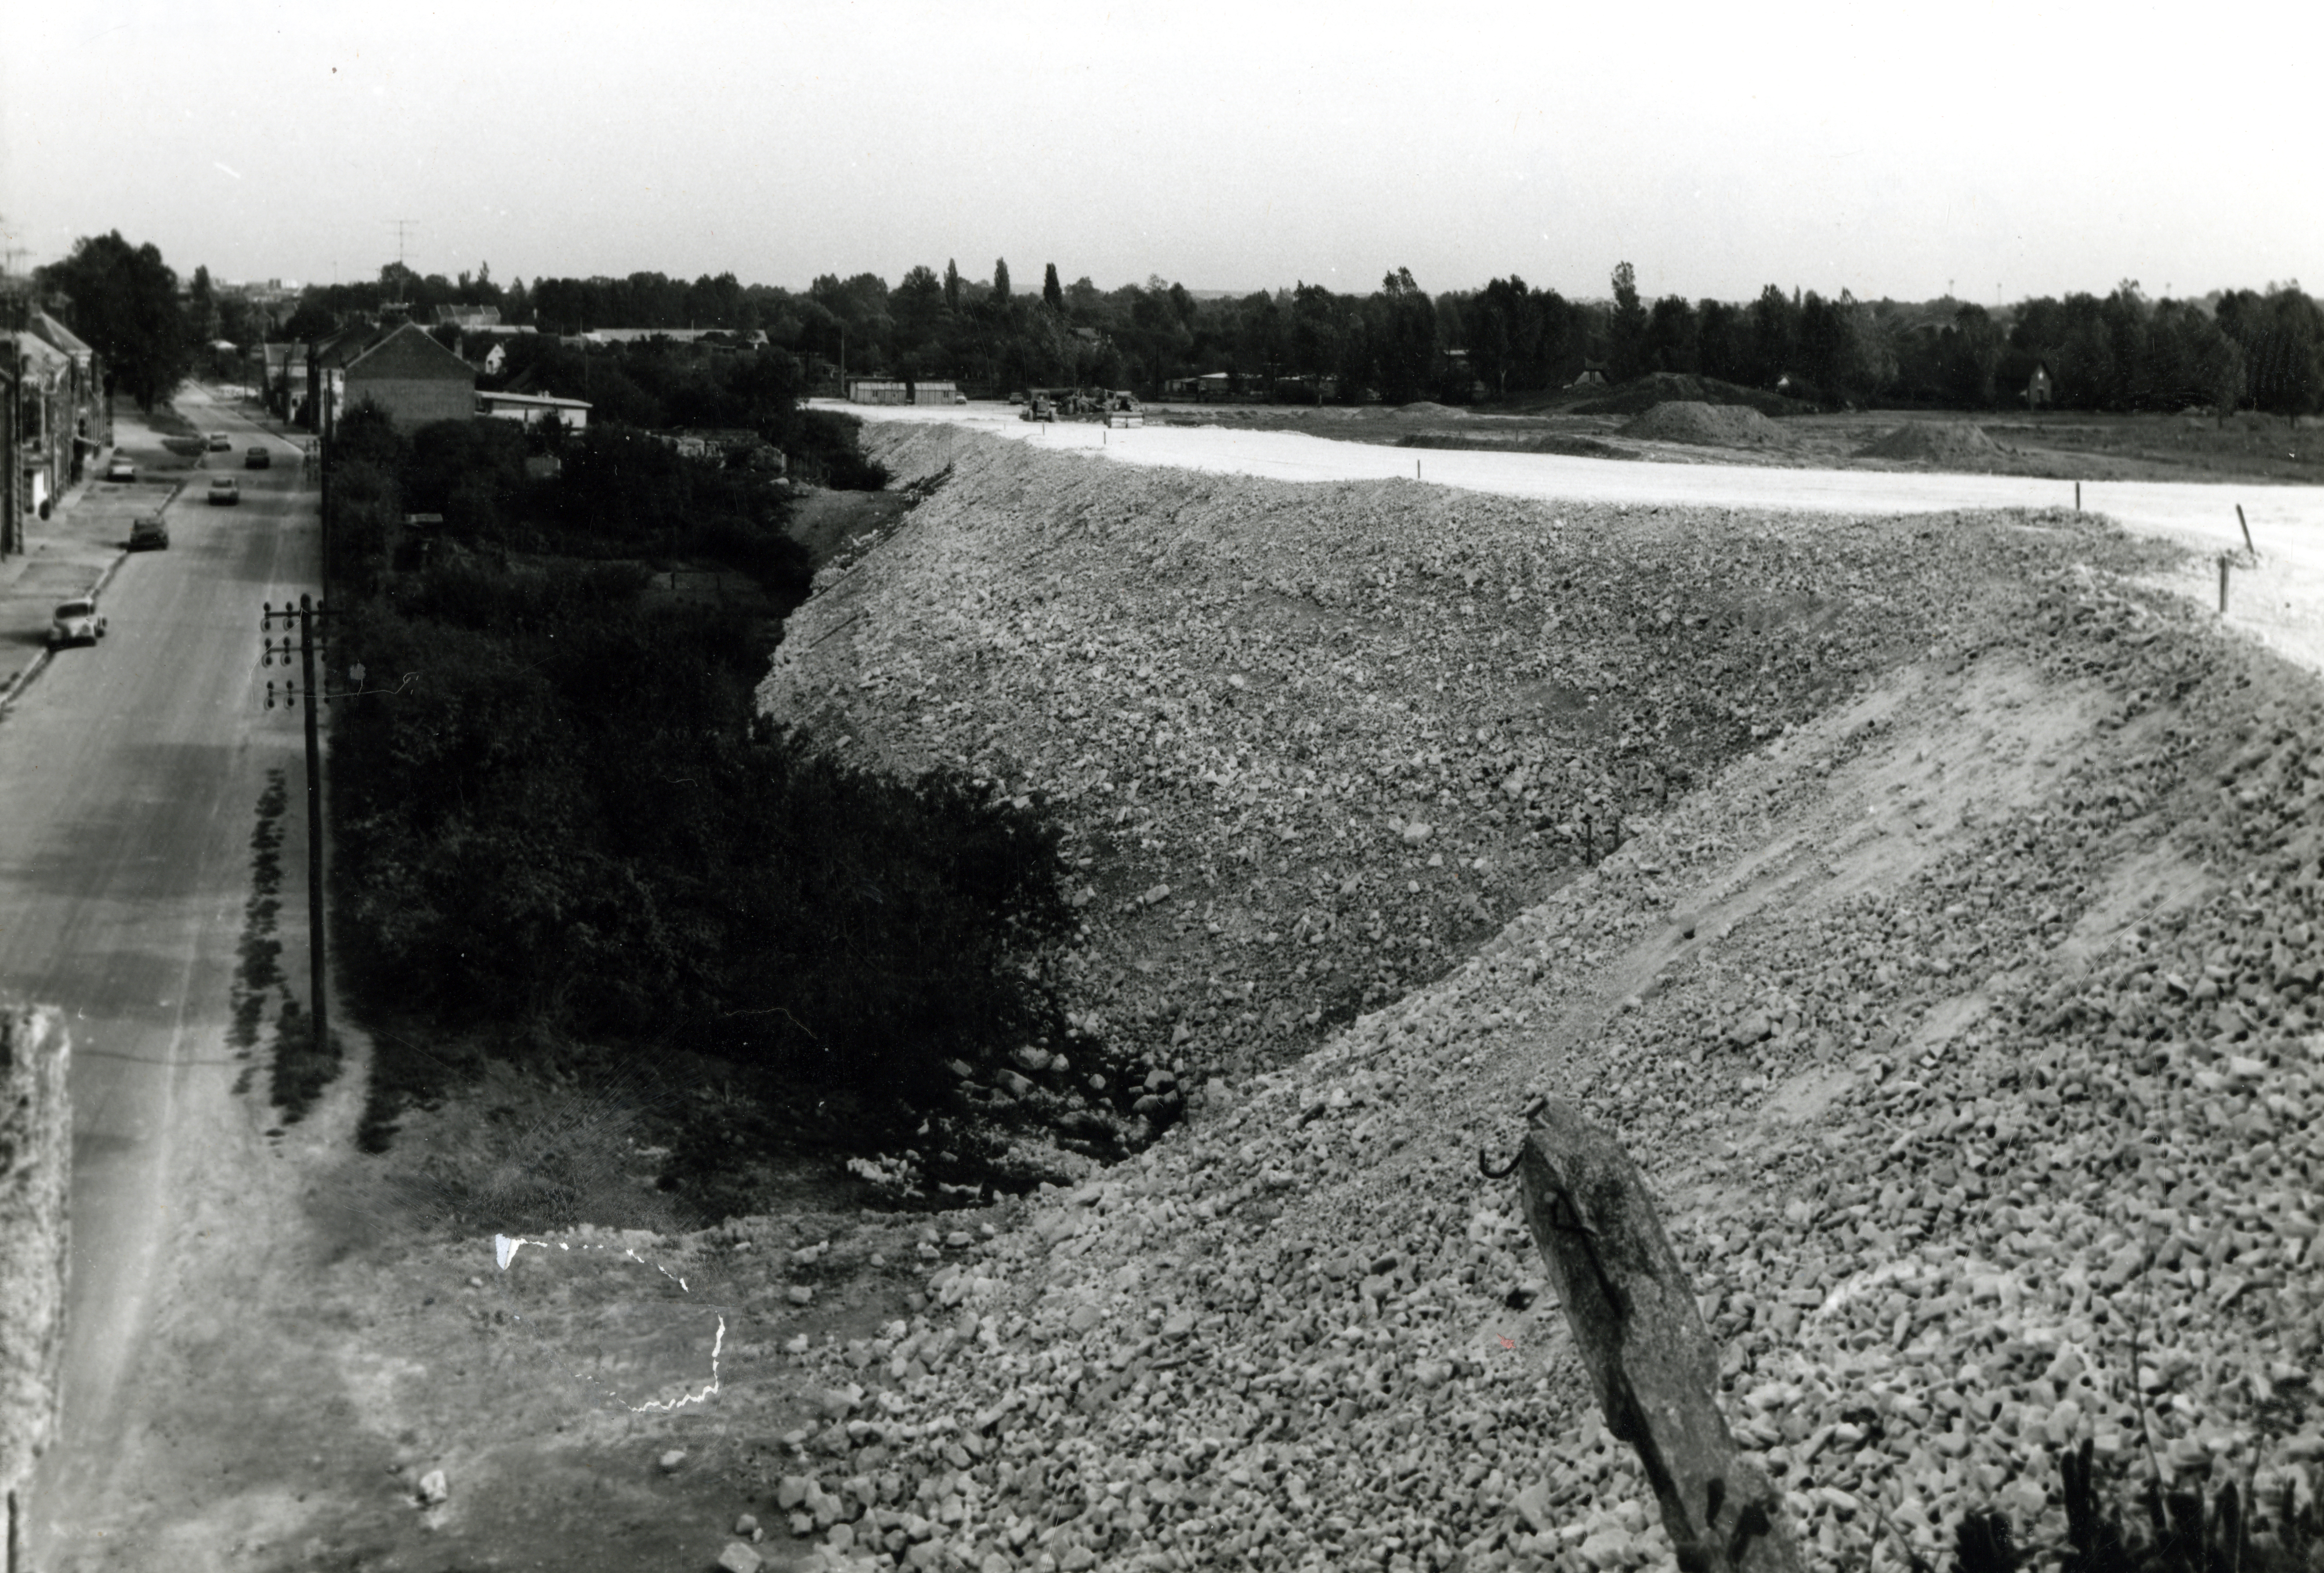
(76, 622)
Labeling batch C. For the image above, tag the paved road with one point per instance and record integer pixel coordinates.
(2279, 598)
(132, 771)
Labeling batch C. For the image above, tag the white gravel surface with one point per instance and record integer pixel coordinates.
(1969, 1031)
(2279, 599)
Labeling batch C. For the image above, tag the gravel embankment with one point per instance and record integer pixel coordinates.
(1318, 742)
(1970, 1033)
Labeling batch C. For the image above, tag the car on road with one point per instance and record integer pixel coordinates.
(226, 489)
(150, 533)
(257, 458)
(76, 622)
(221, 443)
(121, 470)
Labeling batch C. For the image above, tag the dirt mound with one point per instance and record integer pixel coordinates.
(1430, 408)
(1315, 742)
(1643, 393)
(1725, 426)
(1979, 1006)
(1937, 441)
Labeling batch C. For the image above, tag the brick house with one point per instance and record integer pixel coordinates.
(415, 380)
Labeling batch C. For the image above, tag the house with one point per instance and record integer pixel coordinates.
(469, 318)
(876, 391)
(2038, 387)
(495, 361)
(413, 378)
(936, 393)
(1594, 375)
(525, 408)
(89, 410)
(328, 359)
(44, 429)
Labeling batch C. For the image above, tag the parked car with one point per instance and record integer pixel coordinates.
(121, 470)
(221, 443)
(150, 533)
(257, 458)
(226, 489)
(76, 622)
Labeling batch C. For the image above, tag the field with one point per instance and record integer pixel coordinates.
(2061, 445)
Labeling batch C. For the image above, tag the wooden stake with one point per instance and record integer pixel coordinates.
(1640, 1335)
(2078, 497)
(2247, 528)
(2223, 585)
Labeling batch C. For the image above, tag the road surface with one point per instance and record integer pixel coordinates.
(2278, 598)
(132, 771)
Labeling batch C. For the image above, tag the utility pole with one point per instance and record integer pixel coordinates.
(298, 624)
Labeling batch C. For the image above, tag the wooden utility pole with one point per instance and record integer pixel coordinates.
(1634, 1320)
(305, 615)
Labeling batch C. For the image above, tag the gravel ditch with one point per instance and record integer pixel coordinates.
(1968, 1029)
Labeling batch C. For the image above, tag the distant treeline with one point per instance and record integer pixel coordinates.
(2119, 351)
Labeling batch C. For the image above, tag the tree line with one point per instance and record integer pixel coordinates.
(2121, 351)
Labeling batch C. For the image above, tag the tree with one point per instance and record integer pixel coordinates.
(1627, 337)
(1001, 280)
(1773, 336)
(201, 309)
(1674, 337)
(2282, 337)
(951, 286)
(124, 304)
(1053, 294)
(1401, 325)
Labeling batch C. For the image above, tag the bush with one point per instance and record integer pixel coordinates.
(826, 451)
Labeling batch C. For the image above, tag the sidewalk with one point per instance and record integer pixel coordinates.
(76, 548)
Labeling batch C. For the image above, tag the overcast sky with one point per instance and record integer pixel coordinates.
(1893, 150)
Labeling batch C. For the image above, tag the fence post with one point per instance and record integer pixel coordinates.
(1650, 1359)
(2223, 584)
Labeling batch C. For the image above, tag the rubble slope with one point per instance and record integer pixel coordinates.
(1316, 742)
(1969, 1032)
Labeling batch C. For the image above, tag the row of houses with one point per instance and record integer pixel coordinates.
(57, 415)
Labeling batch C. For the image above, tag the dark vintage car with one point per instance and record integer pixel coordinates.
(226, 489)
(257, 458)
(149, 534)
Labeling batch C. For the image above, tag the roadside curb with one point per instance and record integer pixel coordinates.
(40, 663)
(23, 679)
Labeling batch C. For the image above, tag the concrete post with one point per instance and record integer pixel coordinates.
(1651, 1361)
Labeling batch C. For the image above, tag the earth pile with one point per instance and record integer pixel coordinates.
(1941, 442)
(1689, 420)
(1315, 743)
(1971, 1035)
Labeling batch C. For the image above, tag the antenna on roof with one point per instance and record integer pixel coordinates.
(401, 225)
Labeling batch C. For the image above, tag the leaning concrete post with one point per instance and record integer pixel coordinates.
(35, 1169)
(1651, 1361)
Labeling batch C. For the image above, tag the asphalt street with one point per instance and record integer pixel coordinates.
(132, 771)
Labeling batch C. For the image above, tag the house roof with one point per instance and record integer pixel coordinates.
(47, 360)
(536, 401)
(410, 351)
(61, 337)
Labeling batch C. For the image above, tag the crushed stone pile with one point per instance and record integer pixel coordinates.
(1315, 743)
(1690, 420)
(1940, 441)
(1971, 1036)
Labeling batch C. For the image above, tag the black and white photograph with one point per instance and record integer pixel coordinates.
(877, 787)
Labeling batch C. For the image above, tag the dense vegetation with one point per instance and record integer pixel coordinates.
(2121, 351)
(561, 821)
